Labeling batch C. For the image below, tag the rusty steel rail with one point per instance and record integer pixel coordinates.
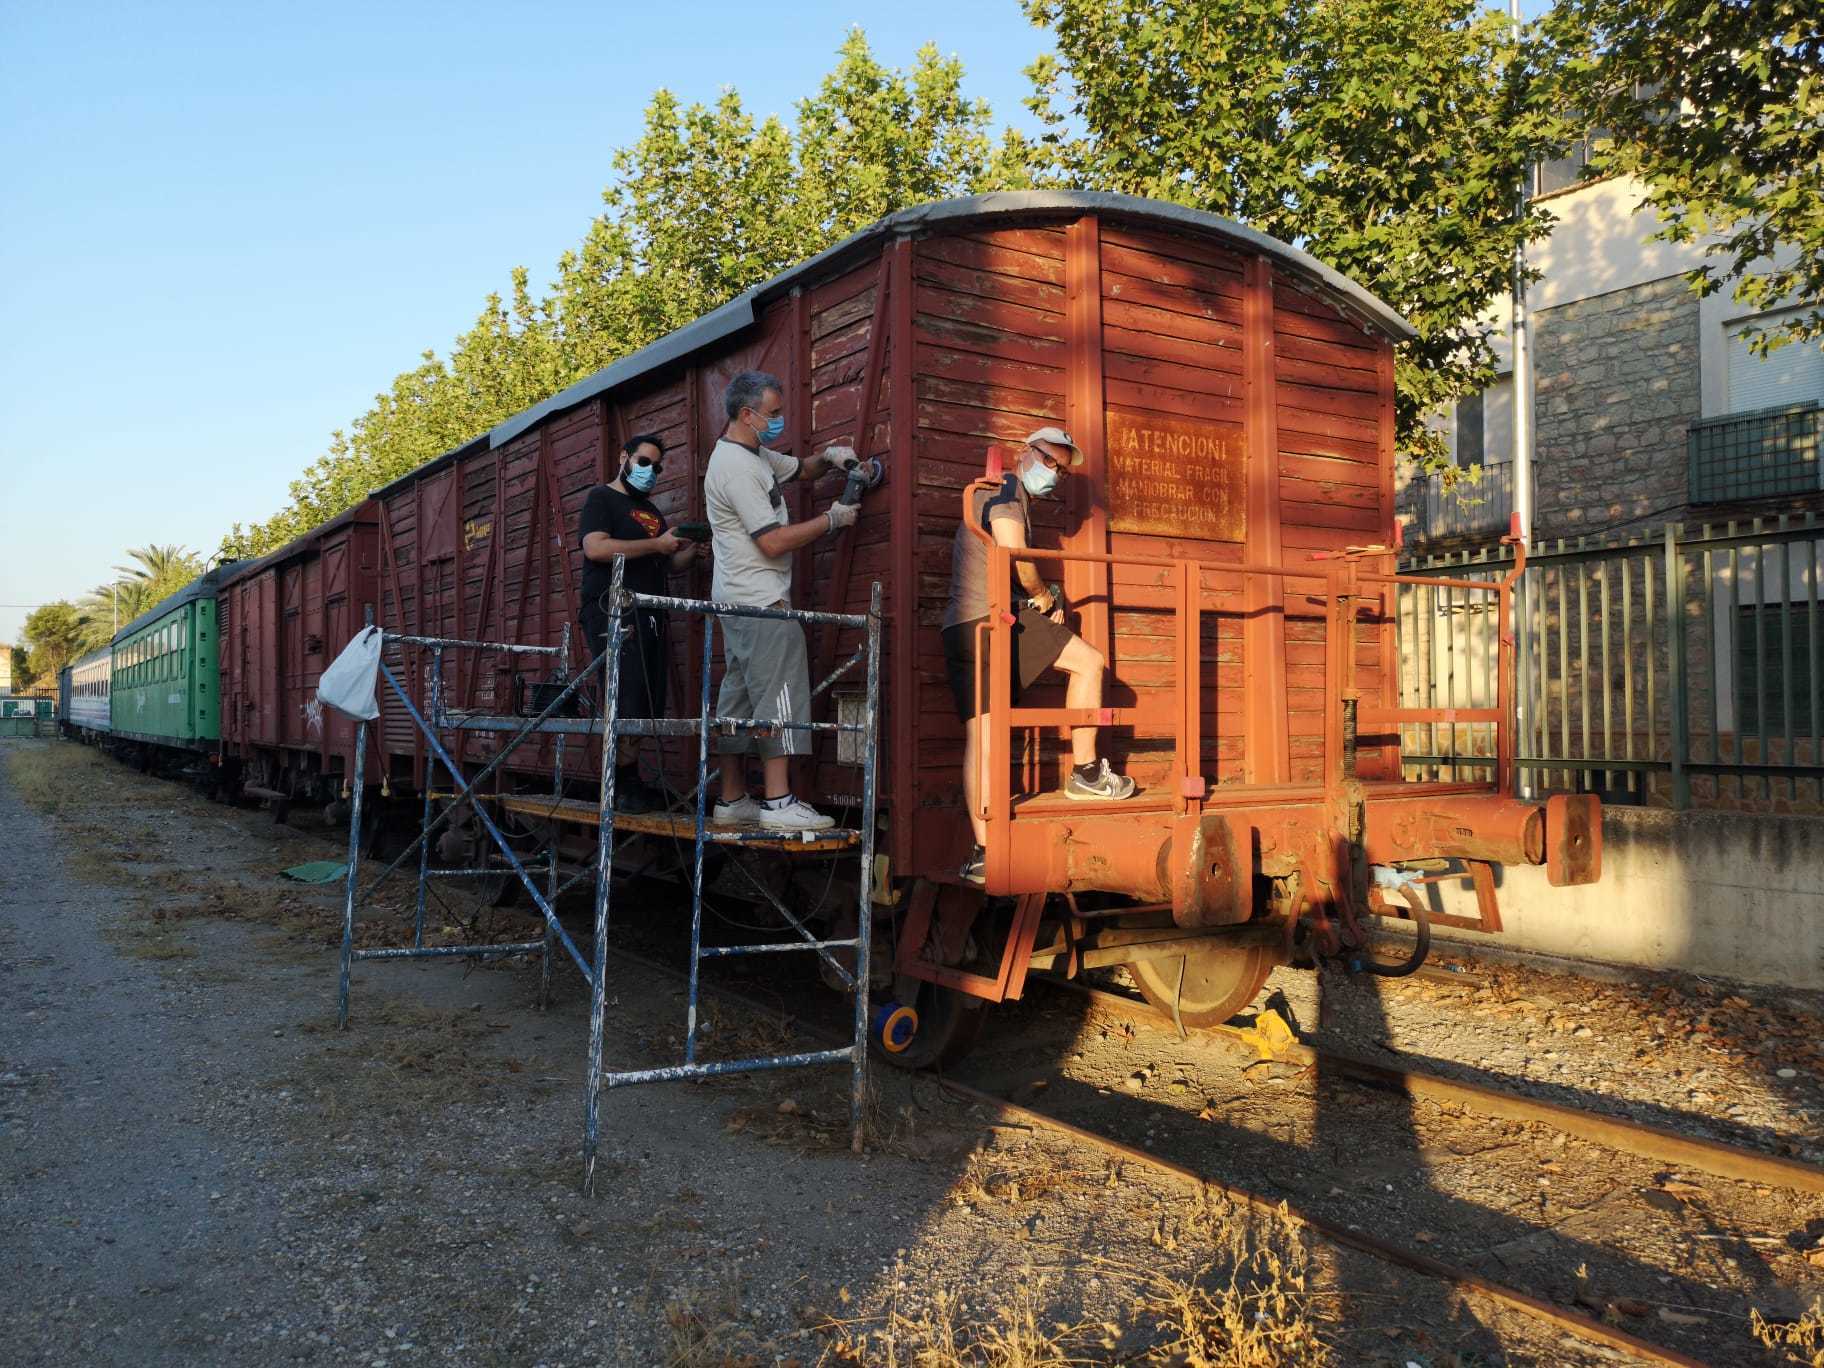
(1587, 1328)
(1612, 1132)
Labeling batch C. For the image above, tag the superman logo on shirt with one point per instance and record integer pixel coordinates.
(648, 520)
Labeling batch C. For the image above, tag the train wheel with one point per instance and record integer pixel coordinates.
(948, 1024)
(1216, 984)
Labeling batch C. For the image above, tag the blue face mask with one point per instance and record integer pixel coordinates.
(641, 478)
(774, 430)
(1039, 478)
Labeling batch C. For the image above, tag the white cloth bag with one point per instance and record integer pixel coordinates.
(348, 684)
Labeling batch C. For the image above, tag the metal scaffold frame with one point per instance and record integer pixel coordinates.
(611, 727)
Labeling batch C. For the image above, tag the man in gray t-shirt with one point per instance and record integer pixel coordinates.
(1041, 641)
(766, 672)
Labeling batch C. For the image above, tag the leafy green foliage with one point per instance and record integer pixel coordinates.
(1718, 106)
(1386, 137)
(707, 203)
(157, 573)
(52, 638)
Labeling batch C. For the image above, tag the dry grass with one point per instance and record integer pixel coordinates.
(1021, 1333)
(1796, 1341)
(400, 1060)
(1021, 1178)
(1250, 1306)
(40, 773)
(157, 948)
(704, 1331)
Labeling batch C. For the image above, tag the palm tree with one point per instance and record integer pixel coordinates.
(155, 562)
(159, 572)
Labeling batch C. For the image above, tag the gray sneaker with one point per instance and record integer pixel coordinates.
(744, 811)
(1103, 786)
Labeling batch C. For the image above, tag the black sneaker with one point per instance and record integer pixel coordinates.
(975, 868)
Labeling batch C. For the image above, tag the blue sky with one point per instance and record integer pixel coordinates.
(224, 228)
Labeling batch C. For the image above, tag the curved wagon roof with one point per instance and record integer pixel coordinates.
(203, 586)
(1350, 298)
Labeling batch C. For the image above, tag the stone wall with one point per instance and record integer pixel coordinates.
(1616, 384)
(1722, 893)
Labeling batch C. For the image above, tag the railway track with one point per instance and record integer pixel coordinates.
(1613, 1132)
(1564, 1318)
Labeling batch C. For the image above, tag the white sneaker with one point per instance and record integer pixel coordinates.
(744, 811)
(794, 816)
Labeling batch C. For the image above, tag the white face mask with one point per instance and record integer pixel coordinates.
(1039, 478)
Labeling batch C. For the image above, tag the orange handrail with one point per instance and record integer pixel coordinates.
(1342, 582)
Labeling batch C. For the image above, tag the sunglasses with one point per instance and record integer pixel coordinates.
(1046, 458)
(657, 463)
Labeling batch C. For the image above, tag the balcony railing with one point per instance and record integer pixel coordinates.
(1476, 504)
(1755, 455)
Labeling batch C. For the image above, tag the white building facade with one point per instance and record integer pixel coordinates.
(1649, 403)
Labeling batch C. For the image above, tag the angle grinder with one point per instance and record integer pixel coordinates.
(863, 476)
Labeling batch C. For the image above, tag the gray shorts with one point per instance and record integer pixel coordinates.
(766, 677)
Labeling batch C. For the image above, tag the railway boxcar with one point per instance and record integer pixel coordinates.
(86, 706)
(164, 696)
(1227, 547)
(282, 618)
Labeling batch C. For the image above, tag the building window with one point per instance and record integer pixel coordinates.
(1498, 421)
(1792, 374)
(1469, 430)
(1762, 685)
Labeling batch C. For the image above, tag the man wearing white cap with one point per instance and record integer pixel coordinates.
(1040, 638)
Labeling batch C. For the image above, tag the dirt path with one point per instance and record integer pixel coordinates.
(197, 1167)
(132, 1219)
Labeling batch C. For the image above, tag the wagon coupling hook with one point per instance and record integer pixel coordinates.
(1360, 963)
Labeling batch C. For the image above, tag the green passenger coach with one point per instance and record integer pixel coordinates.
(166, 678)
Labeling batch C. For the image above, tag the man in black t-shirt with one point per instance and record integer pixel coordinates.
(619, 519)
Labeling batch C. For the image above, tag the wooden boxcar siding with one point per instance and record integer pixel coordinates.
(250, 662)
(1017, 328)
(515, 549)
(977, 337)
(1333, 417)
(282, 623)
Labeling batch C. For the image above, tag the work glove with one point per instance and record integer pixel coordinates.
(842, 515)
(841, 457)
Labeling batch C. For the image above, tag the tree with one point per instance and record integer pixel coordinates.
(159, 572)
(1386, 137)
(155, 564)
(52, 637)
(1718, 106)
(708, 202)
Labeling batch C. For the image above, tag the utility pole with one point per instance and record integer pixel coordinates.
(1521, 354)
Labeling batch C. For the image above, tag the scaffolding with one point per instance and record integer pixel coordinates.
(611, 727)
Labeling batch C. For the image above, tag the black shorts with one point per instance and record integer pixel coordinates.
(1037, 644)
(643, 659)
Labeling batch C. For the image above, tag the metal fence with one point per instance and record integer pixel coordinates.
(1754, 455)
(1475, 503)
(1678, 669)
